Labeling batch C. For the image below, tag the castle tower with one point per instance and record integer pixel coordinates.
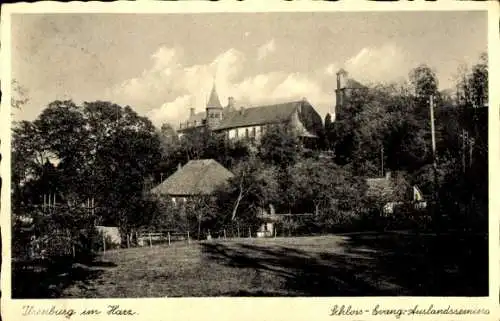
(340, 91)
(214, 110)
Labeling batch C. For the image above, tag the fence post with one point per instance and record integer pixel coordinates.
(188, 237)
(238, 229)
(169, 238)
(275, 231)
(249, 232)
(224, 234)
(128, 240)
(150, 241)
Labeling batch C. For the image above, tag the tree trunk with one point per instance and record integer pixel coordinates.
(237, 203)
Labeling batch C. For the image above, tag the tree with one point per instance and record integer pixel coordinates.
(328, 196)
(254, 185)
(168, 134)
(478, 82)
(104, 152)
(202, 209)
(279, 146)
(329, 128)
(423, 81)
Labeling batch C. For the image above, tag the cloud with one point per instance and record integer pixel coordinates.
(331, 69)
(169, 111)
(266, 49)
(168, 88)
(164, 57)
(378, 64)
(386, 63)
(168, 83)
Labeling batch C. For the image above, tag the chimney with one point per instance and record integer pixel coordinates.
(388, 175)
(242, 110)
(191, 111)
(230, 103)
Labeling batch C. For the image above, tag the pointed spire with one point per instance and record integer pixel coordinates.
(213, 101)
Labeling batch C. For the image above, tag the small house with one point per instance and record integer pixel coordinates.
(384, 189)
(200, 177)
(268, 221)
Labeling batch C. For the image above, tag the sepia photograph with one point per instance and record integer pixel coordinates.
(249, 154)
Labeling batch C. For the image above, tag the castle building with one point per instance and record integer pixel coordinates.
(345, 88)
(251, 123)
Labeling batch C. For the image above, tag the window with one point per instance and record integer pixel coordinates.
(254, 131)
(246, 132)
(236, 133)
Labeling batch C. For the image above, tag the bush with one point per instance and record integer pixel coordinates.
(60, 233)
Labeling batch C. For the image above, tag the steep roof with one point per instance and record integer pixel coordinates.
(213, 101)
(269, 114)
(198, 117)
(197, 177)
(354, 84)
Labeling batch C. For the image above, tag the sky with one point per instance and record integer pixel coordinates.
(163, 64)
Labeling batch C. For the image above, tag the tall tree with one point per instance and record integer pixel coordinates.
(280, 146)
(327, 196)
(478, 82)
(329, 134)
(254, 186)
(104, 152)
(424, 81)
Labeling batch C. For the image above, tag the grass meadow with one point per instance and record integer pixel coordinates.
(388, 264)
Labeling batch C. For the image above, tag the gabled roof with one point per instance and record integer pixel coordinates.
(213, 101)
(198, 117)
(269, 114)
(354, 84)
(197, 177)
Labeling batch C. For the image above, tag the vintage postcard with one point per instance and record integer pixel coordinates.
(227, 161)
